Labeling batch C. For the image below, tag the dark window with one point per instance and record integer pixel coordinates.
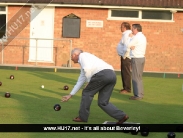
(158, 15)
(2, 8)
(142, 14)
(2, 21)
(120, 13)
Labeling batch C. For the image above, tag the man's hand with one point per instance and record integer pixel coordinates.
(132, 47)
(66, 98)
(131, 35)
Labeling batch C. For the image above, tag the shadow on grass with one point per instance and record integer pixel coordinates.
(56, 77)
(58, 93)
(37, 108)
(162, 106)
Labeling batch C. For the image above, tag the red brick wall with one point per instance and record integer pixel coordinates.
(164, 48)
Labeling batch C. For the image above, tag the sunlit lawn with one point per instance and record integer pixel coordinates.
(30, 104)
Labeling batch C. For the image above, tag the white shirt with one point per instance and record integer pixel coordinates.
(140, 42)
(90, 65)
(122, 45)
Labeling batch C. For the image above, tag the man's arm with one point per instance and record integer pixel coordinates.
(131, 45)
(79, 84)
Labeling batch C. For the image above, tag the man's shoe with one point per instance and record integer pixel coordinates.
(77, 119)
(123, 120)
(135, 98)
(121, 90)
(124, 91)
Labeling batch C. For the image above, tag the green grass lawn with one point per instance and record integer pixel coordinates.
(30, 104)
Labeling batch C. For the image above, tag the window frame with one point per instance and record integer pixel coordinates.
(6, 13)
(138, 18)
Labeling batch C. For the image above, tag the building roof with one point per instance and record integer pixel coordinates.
(136, 3)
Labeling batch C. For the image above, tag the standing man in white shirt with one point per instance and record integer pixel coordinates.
(101, 78)
(137, 47)
(125, 60)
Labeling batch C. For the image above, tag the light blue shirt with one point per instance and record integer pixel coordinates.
(90, 65)
(122, 45)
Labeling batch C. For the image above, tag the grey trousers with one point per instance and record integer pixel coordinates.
(137, 72)
(102, 82)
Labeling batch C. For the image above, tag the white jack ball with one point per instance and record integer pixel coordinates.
(42, 86)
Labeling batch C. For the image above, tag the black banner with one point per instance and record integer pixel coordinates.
(90, 127)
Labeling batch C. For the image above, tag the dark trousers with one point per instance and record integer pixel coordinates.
(126, 74)
(102, 83)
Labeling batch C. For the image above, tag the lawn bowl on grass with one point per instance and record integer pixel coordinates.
(66, 87)
(57, 107)
(171, 135)
(12, 77)
(7, 95)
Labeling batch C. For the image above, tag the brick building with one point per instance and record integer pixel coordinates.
(33, 33)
